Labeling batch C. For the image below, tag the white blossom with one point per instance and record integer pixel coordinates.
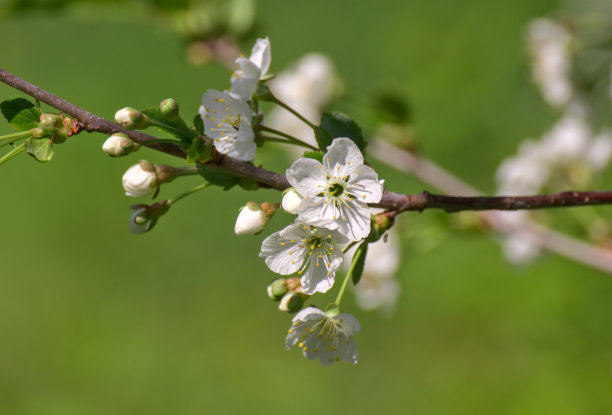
(310, 251)
(568, 139)
(524, 173)
(227, 121)
(326, 337)
(291, 201)
(549, 46)
(140, 179)
(600, 150)
(252, 70)
(337, 191)
(251, 220)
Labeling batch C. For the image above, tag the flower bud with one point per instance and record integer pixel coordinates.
(131, 119)
(292, 302)
(145, 217)
(291, 201)
(277, 289)
(140, 179)
(118, 145)
(379, 224)
(169, 108)
(51, 120)
(251, 219)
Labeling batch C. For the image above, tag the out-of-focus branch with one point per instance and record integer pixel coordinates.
(548, 239)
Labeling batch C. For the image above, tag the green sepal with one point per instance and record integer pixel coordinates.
(175, 127)
(39, 148)
(359, 257)
(22, 114)
(218, 178)
(337, 124)
(197, 151)
(316, 155)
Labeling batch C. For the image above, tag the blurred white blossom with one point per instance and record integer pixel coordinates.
(308, 86)
(548, 43)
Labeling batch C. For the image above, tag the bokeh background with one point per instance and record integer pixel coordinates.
(94, 320)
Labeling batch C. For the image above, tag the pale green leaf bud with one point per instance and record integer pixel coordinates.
(169, 108)
(132, 119)
(119, 145)
(291, 201)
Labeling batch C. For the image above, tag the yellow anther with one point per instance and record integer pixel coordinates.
(290, 331)
(282, 243)
(222, 100)
(301, 344)
(219, 125)
(305, 348)
(337, 358)
(315, 350)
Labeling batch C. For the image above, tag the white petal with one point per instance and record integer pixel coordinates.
(281, 255)
(261, 55)
(364, 184)
(354, 222)
(318, 211)
(244, 80)
(342, 157)
(348, 323)
(318, 277)
(244, 147)
(306, 177)
(309, 313)
(348, 351)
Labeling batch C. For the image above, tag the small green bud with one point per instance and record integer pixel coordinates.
(51, 120)
(292, 302)
(132, 119)
(379, 224)
(169, 108)
(277, 289)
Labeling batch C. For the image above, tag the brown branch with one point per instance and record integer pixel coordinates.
(390, 201)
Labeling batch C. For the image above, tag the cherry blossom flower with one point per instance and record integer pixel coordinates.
(140, 179)
(310, 251)
(326, 337)
(251, 71)
(227, 121)
(337, 191)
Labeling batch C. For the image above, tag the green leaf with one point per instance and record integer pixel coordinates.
(324, 139)
(197, 151)
(218, 178)
(198, 124)
(39, 148)
(316, 155)
(391, 107)
(337, 124)
(359, 261)
(20, 113)
(175, 127)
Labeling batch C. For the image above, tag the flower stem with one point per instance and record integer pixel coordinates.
(8, 139)
(12, 153)
(185, 171)
(187, 193)
(287, 136)
(160, 140)
(282, 140)
(294, 112)
(347, 278)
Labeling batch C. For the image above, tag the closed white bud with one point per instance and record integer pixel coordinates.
(131, 119)
(140, 179)
(118, 145)
(251, 219)
(291, 201)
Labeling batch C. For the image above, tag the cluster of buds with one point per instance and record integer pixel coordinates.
(55, 126)
(288, 291)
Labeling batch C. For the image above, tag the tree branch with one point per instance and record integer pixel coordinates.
(390, 201)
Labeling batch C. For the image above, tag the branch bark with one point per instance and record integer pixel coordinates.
(391, 201)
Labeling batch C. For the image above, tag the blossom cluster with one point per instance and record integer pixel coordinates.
(329, 197)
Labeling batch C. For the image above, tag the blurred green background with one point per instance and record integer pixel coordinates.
(94, 320)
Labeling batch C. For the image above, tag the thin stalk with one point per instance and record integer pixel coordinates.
(187, 193)
(294, 112)
(185, 171)
(12, 153)
(356, 257)
(282, 140)
(8, 139)
(287, 136)
(160, 140)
